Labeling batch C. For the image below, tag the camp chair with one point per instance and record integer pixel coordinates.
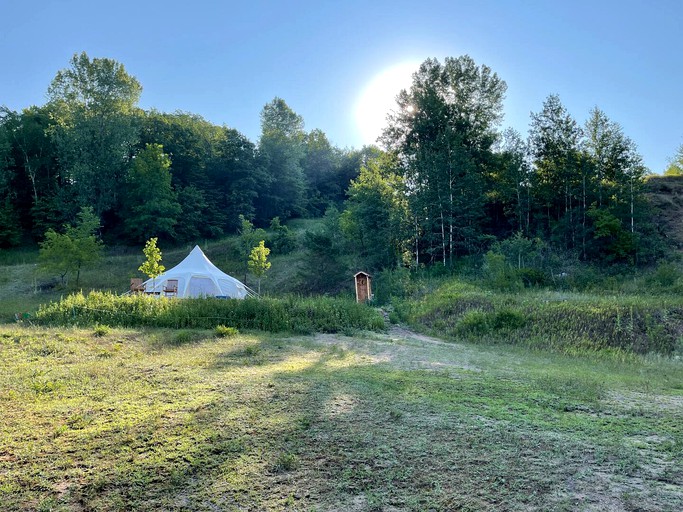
(171, 288)
(136, 285)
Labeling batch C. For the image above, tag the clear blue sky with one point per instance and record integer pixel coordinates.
(224, 60)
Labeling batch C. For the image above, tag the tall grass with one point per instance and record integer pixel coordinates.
(565, 322)
(290, 314)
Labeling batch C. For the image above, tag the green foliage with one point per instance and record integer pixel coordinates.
(284, 240)
(498, 274)
(101, 330)
(152, 265)
(73, 250)
(292, 314)
(223, 331)
(611, 241)
(258, 262)
(10, 226)
(443, 131)
(248, 238)
(675, 167)
(666, 276)
(391, 284)
(281, 149)
(324, 269)
(475, 323)
(94, 104)
(377, 219)
(151, 204)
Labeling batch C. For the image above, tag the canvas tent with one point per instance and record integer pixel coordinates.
(198, 277)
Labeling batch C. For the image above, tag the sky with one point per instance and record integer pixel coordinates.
(225, 60)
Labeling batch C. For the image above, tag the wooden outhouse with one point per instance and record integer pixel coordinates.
(363, 290)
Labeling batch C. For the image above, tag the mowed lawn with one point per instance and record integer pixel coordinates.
(185, 420)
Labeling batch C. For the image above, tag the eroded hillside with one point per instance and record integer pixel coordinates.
(666, 196)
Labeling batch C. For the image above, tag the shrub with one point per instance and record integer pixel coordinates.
(666, 275)
(498, 274)
(532, 277)
(473, 322)
(508, 319)
(226, 332)
(183, 336)
(101, 330)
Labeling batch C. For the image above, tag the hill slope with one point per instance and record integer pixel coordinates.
(665, 193)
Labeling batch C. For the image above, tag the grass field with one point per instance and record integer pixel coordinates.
(183, 420)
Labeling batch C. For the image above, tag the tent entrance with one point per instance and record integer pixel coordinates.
(202, 287)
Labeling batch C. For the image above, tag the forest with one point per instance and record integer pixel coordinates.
(449, 181)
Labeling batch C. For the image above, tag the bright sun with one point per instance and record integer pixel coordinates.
(379, 98)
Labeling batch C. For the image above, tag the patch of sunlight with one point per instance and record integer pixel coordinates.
(340, 405)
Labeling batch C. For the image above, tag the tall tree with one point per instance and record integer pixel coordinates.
(377, 218)
(151, 205)
(512, 181)
(281, 150)
(94, 101)
(554, 138)
(319, 164)
(443, 130)
(236, 178)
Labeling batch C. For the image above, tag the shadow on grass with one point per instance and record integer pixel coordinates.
(288, 425)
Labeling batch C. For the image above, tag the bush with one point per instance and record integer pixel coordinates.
(498, 274)
(666, 275)
(101, 330)
(473, 322)
(508, 319)
(532, 277)
(226, 332)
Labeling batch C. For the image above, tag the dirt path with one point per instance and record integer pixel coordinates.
(406, 349)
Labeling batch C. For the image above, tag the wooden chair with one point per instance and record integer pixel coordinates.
(171, 288)
(136, 285)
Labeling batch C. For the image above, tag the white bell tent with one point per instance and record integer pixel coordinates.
(198, 277)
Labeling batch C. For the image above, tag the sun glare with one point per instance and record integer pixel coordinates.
(379, 98)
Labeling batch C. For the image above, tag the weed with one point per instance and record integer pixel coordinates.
(395, 414)
(286, 462)
(226, 332)
(184, 336)
(101, 330)
(251, 350)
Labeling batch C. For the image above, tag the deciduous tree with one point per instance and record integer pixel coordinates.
(73, 250)
(94, 102)
(151, 204)
(258, 262)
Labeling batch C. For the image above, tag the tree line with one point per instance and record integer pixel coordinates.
(175, 175)
(454, 184)
(450, 181)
